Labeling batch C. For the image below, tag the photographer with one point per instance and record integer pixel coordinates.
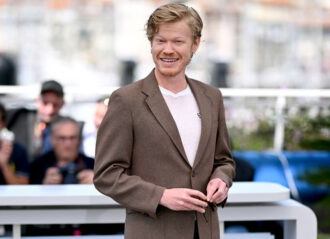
(64, 164)
(14, 165)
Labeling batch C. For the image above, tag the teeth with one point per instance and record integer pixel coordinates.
(168, 60)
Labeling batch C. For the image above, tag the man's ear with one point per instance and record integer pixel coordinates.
(196, 44)
(151, 46)
(62, 103)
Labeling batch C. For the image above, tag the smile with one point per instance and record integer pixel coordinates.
(169, 59)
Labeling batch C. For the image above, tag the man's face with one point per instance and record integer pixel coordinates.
(49, 105)
(100, 111)
(65, 140)
(172, 48)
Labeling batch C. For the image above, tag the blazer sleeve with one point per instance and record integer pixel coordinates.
(114, 152)
(224, 164)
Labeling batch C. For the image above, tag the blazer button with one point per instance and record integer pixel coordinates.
(193, 174)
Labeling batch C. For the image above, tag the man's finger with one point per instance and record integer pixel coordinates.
(196, 194)
(197, 202)
(211, 189)
(80, 175)
(220, 195)
(198, 209)
(193, 207)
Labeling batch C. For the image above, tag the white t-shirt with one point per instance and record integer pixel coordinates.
(185, 111)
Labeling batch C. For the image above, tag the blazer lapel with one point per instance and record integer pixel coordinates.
(205, 108)
(159, 109)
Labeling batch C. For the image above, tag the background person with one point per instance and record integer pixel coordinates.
(90, 129)
(31, 126)
(64, 164)
(14, 165)
(163, 149)
(49, 104)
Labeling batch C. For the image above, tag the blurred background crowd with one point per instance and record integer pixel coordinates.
(249, 43)
(66, 56)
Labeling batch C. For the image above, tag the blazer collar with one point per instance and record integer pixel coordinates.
(159, 109)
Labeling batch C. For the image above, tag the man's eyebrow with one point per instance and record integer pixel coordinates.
(158, 36)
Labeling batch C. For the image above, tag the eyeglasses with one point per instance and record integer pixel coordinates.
(62, 139)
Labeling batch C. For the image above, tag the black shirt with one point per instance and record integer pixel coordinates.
(41, 164)
(18, 162)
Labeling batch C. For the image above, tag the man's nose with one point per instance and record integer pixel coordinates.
(168, 48)
(50, 108)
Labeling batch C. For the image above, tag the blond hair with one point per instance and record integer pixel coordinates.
(171, 13)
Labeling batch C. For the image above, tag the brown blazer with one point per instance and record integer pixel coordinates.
(139, 153)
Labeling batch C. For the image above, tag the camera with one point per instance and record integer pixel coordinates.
(69, 173)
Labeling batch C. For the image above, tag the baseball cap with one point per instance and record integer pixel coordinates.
(52, 86)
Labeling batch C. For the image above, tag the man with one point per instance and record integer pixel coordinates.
(31, 126)
(49, 104)
(14, 165)
(64, 164)
(162, 149)
(90, 129)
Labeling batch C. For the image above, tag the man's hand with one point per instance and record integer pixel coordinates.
(53, 176)
(5, 151)
(184, 199)
(217, 191)
(85, 176)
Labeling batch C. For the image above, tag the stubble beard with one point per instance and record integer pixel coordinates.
(174, 73)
